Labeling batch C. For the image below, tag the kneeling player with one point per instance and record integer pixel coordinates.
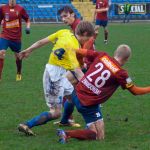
(102, 79)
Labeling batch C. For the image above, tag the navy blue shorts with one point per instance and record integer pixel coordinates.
(89, 113)
(14, 46)
(101, 22)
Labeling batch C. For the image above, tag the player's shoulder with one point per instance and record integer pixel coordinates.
(4, 6)
(64, 32)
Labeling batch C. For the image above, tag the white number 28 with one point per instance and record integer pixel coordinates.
(104, 76)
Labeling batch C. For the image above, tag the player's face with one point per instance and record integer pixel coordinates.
(12, 3)
(82, 39)
(67, 17)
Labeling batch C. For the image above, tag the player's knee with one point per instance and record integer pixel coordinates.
(55, 113)
(106, 31)
(2, 54)
(98, 128)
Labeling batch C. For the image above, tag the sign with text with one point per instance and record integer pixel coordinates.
(135, 9)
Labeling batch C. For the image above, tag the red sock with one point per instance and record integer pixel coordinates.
(85, 134)
(19, 65)
(1, 66)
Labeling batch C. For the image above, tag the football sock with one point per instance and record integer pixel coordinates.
(81, 134)
(106, 34)
(41, 119)
(68, 109)
(19, 65)
(1, 66)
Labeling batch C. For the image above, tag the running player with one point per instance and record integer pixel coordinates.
(11, 16)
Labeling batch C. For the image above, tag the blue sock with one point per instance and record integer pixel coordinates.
(41, 119)
(68, 109)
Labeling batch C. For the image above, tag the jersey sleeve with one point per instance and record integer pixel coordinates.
(124, 80)
(25, 16)
(52, 38)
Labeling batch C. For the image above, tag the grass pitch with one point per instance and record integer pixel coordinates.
(20, 101)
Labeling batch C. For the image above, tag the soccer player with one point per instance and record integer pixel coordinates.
(11, 16)
(100, 15)
(68, 16)
(55, 84)
(102, 79)
(127, 10)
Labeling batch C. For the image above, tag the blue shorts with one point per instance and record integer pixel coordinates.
(14, 46)
(89, 113)
(101, 22)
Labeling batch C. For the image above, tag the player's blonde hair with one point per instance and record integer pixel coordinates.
(123, 51)
(85, 28)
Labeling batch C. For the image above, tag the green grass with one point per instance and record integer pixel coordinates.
(20, 101)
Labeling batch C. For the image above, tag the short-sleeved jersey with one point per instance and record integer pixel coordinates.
(64, 39)
(102, 4)
(101, 80)
(11, 19)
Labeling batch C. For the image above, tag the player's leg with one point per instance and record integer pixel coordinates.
(53, 92)
(124, 19)
(69, 106)
(95, 124)
(4, 44)
(97, 26)
(16, 48)
(67, 117)
(104, 24)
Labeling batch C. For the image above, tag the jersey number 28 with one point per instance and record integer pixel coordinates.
(104, 75)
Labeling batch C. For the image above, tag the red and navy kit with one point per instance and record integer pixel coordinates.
(101, 4)
(101, 80)
(10, 19)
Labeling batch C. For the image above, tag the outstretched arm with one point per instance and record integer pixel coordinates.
(25, 53)
(139, 90)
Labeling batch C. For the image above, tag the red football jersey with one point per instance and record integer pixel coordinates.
(101, 4)
(75, 23)
(11, 20)
(101, 80)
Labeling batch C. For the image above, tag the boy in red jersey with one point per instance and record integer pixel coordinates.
(99, 83)
(100, 15)
(68, 16)
(11, 16)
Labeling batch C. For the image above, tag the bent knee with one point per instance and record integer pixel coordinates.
(98, 128)
(55, 113)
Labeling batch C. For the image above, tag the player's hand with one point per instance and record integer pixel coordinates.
(27, 30)
(59, 53)
(24, 54)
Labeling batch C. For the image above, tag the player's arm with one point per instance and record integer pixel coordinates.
(25, 53)
(100, 10)
(25, 16)
(28, 24)
(135, 90)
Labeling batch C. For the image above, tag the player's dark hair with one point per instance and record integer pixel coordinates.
(85, 28)
(65, 9)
